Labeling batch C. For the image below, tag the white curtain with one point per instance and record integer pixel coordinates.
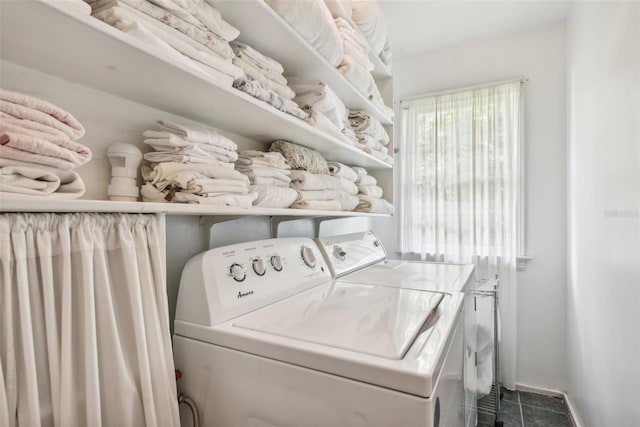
(84, 325)
(460, 189)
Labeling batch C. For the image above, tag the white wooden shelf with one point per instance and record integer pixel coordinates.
(81, 49)
(52, 205)
(262, 28)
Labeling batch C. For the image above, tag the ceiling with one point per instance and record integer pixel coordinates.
(417, 26)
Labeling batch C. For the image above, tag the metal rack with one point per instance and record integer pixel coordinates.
(491, 403)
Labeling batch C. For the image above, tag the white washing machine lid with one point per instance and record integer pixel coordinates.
(374, 320)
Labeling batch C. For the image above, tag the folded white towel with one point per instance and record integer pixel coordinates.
(196, 149)
(373, 205)
(205, 13)
(191, 134)
(150, 193)
(364, 123)
(279, 175)
(370, 190)
(320, 97)
(191, 29)
(358, 75)
(273, 197)
(254, 88)
(322, 122)
(163, 175)
(172, 37)
(324, 205)
(32, 181)
(21, 106)
(366, 180)
(43, 148)
(270, 65)
(76, 6)
(313, 21)
(343, 171)
(262, 158)
(163, 156)
(303, 180)
(281, 89)
(354, 35)
(216, 186)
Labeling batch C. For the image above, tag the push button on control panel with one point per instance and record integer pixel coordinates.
(276, 262)
(238, 272)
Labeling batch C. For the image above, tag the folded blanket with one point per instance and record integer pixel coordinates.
(363, 123)
(300, 157)
(320, 97)
(343, 171)
(20, 106)
(150, 193)
(324, 205)
(189, 134)
(204, 13)
(257, 90)
(359, 76)
(261, 158)
(313, 21)
(370, 190)
(43, 148)
(203, 186)
(302, 180)
(32, 181)
(279, 176)
(185, 45)
(373, 205)
(177, 145)
(368, 16)
(273, 197)
(192, 30)
(269, 66)
(163, 156)
(281, 89)
(266, 180)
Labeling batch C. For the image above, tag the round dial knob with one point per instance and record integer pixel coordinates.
(259, 266)
(276, 262)
(339, 253)
(308, 256)
(238, 272)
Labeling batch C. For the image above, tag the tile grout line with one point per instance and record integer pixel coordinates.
(520, 406)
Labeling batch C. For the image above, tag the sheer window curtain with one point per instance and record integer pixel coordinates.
(84, 325)
(460, 189)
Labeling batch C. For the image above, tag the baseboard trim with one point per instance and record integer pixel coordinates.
(576, 421)
(573, 412)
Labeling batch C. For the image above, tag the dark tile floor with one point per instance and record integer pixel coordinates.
(524, 409)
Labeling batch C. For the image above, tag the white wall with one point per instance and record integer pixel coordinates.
(540, 56)
(603, 299)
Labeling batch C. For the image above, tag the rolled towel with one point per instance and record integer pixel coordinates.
(343, 171)
(300, 157)
(21, 106)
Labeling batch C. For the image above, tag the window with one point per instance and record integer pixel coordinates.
(460, 175)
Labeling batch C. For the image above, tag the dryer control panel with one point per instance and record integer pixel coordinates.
(226, 282)
(350, 252)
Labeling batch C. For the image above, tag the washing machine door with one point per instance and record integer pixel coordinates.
(375, 320)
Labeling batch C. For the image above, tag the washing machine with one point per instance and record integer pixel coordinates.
(264, 336)
(362, 258)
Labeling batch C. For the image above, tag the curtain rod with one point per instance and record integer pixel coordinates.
(464, 89)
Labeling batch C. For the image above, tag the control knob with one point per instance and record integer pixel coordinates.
(259, 266)
(238, 272)
(276, 262)
(339, 253)
(308, 256)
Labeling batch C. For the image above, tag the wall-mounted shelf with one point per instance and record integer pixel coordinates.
(265, 30)
(52, 205)
(81, 49)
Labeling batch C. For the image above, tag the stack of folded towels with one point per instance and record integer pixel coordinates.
(191, 165)
(355, 65)
(262, 79)
(326, 110)
(372, 138)
(310, 177)
(38, 149)
(191, 31)
(269, 175)
(370, 194)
